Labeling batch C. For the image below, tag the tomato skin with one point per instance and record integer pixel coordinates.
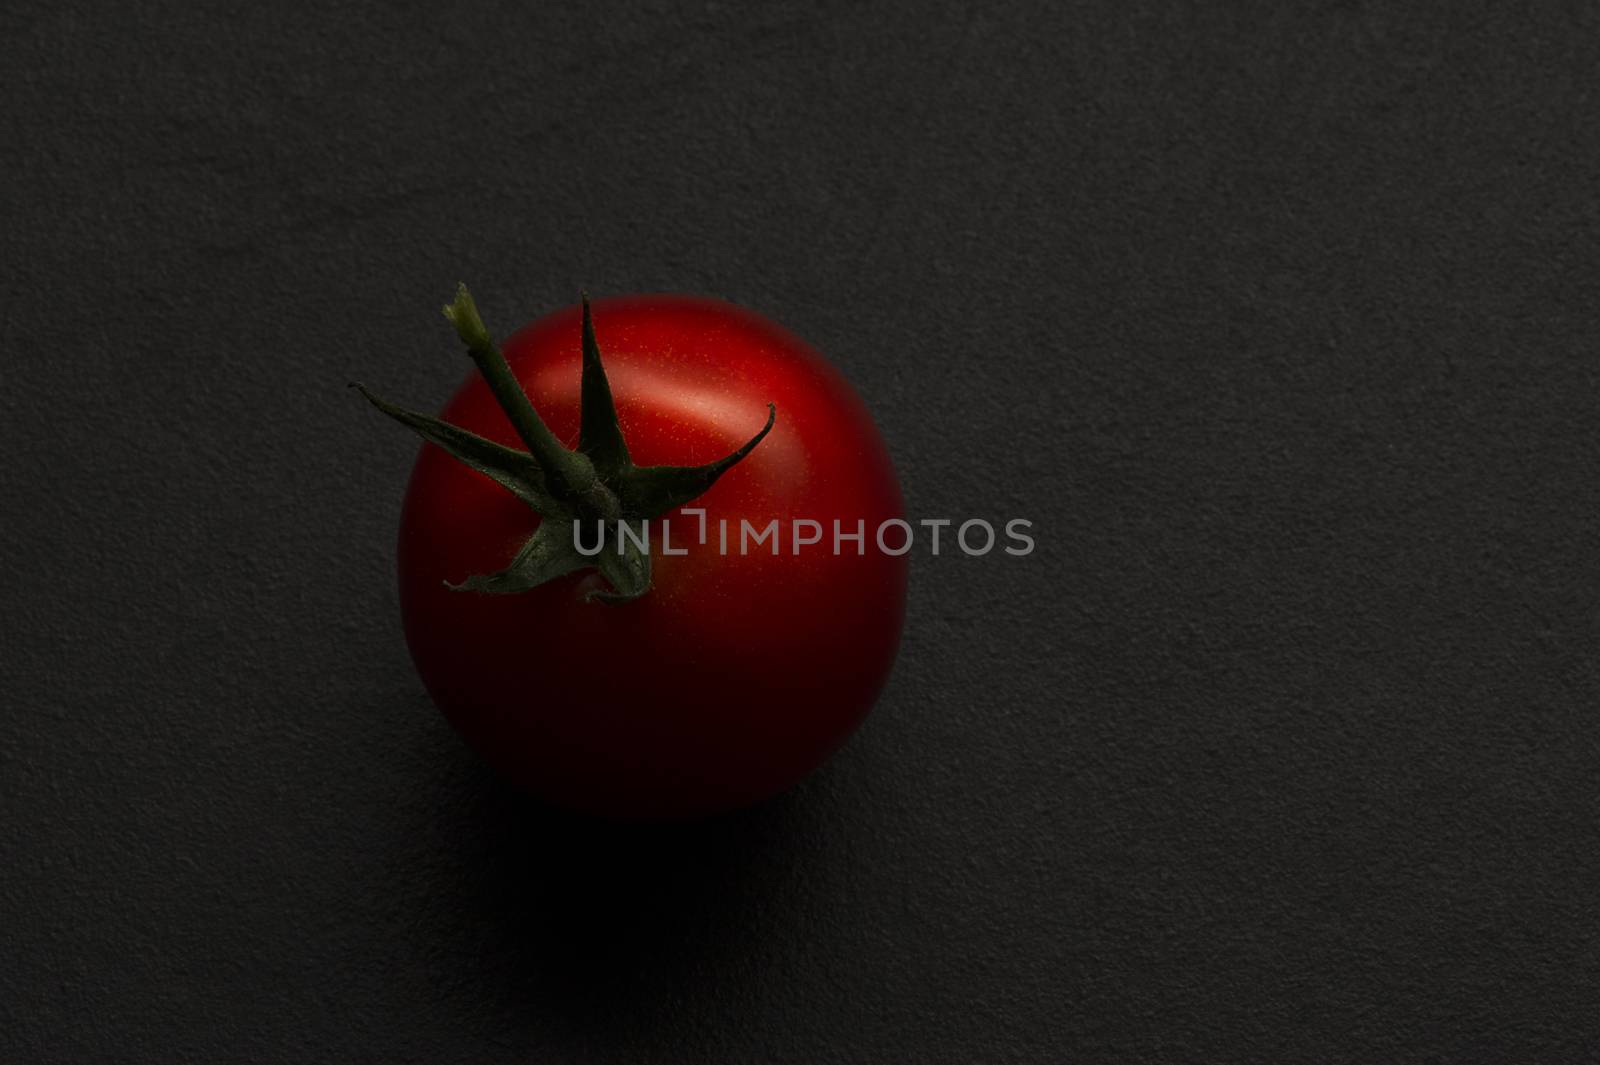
(735, 675)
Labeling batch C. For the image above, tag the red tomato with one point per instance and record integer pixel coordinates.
(736, 674)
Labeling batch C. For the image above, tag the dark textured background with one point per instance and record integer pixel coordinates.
(1281, 324)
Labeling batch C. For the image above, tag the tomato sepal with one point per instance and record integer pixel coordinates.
(513, 470)
(651, 491)
(599, 433)
(548, 554)
(626, 566)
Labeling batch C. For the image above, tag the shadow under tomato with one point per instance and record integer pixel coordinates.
(600, 920)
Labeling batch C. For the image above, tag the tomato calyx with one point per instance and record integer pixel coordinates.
(595, 485)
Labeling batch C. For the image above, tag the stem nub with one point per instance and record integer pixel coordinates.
(569, 474)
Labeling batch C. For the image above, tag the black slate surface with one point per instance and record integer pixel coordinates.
(1279, 322)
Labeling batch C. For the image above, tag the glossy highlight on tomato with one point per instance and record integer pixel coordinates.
(735, 675)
